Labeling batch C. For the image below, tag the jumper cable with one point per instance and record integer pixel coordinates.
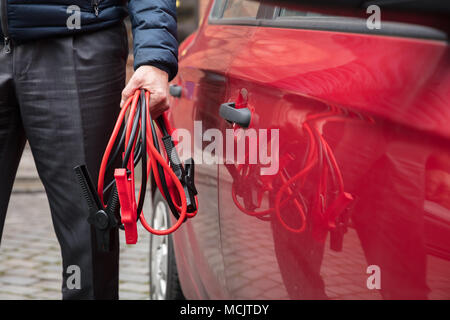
(139, 143)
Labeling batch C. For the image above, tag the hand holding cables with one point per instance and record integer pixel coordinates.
(139, 143)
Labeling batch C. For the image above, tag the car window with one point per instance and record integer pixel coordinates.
(337, 19)
(217, 9)
(235, 9)
(289, 13)
(241, 9)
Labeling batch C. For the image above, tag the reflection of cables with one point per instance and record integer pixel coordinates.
(327, 206)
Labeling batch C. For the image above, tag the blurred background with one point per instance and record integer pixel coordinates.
(189, 13)
(30, 259)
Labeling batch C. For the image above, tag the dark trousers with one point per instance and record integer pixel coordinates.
(62, 95)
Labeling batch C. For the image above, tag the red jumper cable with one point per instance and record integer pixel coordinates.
(139, 143)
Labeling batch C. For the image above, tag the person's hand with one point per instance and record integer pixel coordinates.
(156, 82)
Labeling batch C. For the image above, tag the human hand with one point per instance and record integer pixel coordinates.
(153, 80)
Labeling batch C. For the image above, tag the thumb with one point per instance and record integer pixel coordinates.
(129, 90)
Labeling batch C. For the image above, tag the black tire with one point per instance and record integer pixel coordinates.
(173, 289)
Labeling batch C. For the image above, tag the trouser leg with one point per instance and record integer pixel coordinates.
(69, 92)
(12, 137)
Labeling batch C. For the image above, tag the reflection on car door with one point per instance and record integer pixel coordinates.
(363, 151)
(202, 76)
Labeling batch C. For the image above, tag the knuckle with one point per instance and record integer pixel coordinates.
(158, 97)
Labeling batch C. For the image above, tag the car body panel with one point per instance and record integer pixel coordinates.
(381, 105)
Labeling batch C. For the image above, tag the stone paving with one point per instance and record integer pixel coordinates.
(30, 261)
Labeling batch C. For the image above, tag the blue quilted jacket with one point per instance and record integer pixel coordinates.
(154, 24)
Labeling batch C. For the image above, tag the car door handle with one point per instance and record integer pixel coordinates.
(175, 90)
(241, 116)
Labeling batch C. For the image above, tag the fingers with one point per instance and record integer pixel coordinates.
(129, 90)
(153, 80)
(158, 103)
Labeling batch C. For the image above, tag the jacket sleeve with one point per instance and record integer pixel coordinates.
(154, 24)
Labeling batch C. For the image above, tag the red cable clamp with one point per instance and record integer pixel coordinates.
(125, 189)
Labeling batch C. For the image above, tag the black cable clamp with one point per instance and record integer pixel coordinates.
(103, 219)
(185, 175)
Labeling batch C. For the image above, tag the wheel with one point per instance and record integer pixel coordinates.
(164, 282)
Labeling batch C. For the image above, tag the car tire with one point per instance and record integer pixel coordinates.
(163, 274)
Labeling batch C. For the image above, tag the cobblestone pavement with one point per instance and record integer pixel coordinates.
(30, 260)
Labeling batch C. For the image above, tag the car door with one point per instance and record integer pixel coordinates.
(356, 123)
(205, 58)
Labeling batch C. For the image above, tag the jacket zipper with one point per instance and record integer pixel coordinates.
(4, 25)
(95, 4)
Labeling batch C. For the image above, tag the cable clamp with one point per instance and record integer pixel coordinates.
(128, 206)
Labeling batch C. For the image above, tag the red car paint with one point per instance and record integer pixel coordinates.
(382, 107)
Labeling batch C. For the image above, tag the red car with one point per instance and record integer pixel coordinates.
(354, 107)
